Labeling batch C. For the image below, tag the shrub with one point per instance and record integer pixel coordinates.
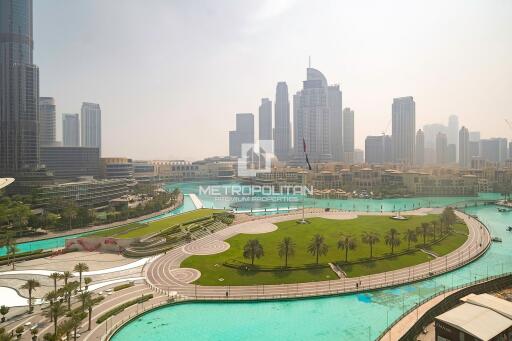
(123, 286)
(120, 308)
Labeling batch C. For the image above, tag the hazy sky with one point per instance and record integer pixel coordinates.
(170, 75)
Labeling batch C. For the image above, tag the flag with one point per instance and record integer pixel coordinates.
(305, 153)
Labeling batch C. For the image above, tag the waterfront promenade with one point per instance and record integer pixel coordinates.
(164, 272)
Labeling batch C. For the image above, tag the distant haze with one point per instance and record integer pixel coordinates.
(170, 75)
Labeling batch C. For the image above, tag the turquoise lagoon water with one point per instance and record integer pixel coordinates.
(57, 242)
(351, 317)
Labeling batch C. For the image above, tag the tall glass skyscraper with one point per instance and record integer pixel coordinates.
(47, 120)
(404, 129)
(90, 131)
(282, 131)
(19, 89)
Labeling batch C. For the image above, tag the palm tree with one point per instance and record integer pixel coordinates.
(317, 246)
(392, 238)
(253, 249)
(81, 268)
(34, 333)
(84, 296)
(4, 310)
(68, 290)
(51, 297)
(285, 249)
(30, 285)
(57, 310)
(74, 323)
(66, 275)
(87, 281)
(70, 213)
(434, 225)
(346, 242)
(424, 230)
(410, 236)
(370, 238)
(89, 303)
(56, 276)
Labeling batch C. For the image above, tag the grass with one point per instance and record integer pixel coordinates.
(136, 230)
(212, 269)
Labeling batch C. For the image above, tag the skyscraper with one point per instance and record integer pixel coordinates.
(265, 119)
(474, 136)
(47, 121)
(336, 118)
(420, 147)
(378, 149)
(404, 129)
(19, 89)
(90, 131)
(348, 135)
(441, 149)
(453, 131)
(311, 118)
(494, 149)
(464, 158)
(70, 130)
(282, 135)
(244, 133)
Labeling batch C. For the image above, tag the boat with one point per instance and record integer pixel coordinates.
(503, 209)
(497, 239)
(509, 228)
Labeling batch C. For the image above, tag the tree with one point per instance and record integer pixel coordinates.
(19, 330)
(51, 296)
(370, 238)
(55, 276)
(89, 303)
(410, 236)
(434, 224)
(346, 242)
(34, 333)
(68, 290)
(81, 268)
(424, 230)
(57, 310)
(392, 238)
(84, 296)
(66, 275)
(253, 249)
(74, 323)
(12, 250)
(69, 213)
(286, 248)
(4, 310)
(317, 246)
(87, 281)
(30, 285)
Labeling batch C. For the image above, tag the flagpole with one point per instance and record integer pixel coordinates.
(303, 195)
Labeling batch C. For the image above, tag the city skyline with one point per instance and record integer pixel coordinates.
(439, 82)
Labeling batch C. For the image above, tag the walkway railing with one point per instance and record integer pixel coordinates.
(477, 284)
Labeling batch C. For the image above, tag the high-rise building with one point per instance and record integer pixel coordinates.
(19, 89)
(244, 133)
(47, 121)
(348, 135)
(265, 119)
(311, 118)
(90, 132)
(453, 132)
(358, 156)
(336, 118)
(441, 149)
(70, 130)
(282, 134)
(464, 156)
(451, 154)
(474, 149)
(71, 162)
(510, 150)
(420, 147)
(404, 129)
(378, 149)
(474, 136)
(494, 149)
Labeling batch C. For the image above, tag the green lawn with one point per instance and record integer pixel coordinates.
(128, 231)
(212, 269)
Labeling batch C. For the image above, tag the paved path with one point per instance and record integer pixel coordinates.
(161, 272)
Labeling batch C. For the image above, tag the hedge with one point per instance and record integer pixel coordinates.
(123, 286)
(120, 308)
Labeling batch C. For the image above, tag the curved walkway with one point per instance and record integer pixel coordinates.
(161, 273)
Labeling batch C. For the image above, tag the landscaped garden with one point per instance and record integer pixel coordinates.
(301, 252)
